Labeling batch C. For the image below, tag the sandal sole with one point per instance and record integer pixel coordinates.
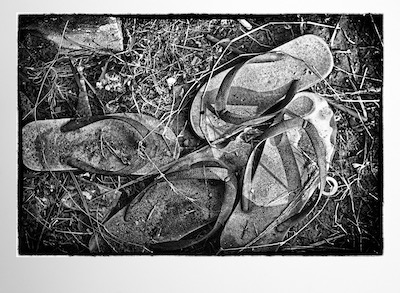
(44, 145)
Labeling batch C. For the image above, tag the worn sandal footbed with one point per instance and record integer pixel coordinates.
(171, 212)
(118, 144)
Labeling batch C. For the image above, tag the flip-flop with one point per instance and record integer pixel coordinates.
(171, 213)
(283, 171)
(251, 89)
(118, 144)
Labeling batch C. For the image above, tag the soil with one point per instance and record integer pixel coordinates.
(52, 210)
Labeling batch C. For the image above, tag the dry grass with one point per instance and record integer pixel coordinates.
(58, 212)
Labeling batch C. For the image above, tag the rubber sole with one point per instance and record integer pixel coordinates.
(107, 145)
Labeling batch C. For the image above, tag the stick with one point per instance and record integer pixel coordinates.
(83, 106)
(245, 23)
(376, 30)
(347, 110)
(223, 43)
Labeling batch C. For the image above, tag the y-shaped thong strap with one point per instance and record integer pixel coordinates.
(225, 87)
(277, 129)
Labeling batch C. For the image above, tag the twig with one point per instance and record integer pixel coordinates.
(43, 228)
(151, 212)
(188, 48)
(162, 175)
(136, 103)
(225, 43)
(86, 207)
(318, 24)
(347, 37)
(76, 75)
(360, 92)
(363, 78)
(336, 219)
(376, 30)
(318, 243)
(170, 114)
(362, 122)
(359, 98)
(347, 110)
(89, 85)
(76, 238)
(83, 106)
(257, 42)
(369, 78)
(361, 101)
(245, 23)
(337, 28)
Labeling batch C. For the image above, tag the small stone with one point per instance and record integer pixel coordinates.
(87, 195)
(171, 81)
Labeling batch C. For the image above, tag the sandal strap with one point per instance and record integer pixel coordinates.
(302, 214)
(224, 91)
(286, 219)
(277, 129)
(77, 123)
(321, 155)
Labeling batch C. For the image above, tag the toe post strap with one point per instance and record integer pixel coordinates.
(273, 131)
(221, 99)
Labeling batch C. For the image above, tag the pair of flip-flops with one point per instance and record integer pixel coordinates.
(257, 124)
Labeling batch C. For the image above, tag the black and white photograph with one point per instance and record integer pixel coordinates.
(200, 135)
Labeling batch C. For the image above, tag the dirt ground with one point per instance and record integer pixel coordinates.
(53, 221)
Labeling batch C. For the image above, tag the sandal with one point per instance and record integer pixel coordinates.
(172, 212)
(256, 87)
(118, 144)
(282, 173)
